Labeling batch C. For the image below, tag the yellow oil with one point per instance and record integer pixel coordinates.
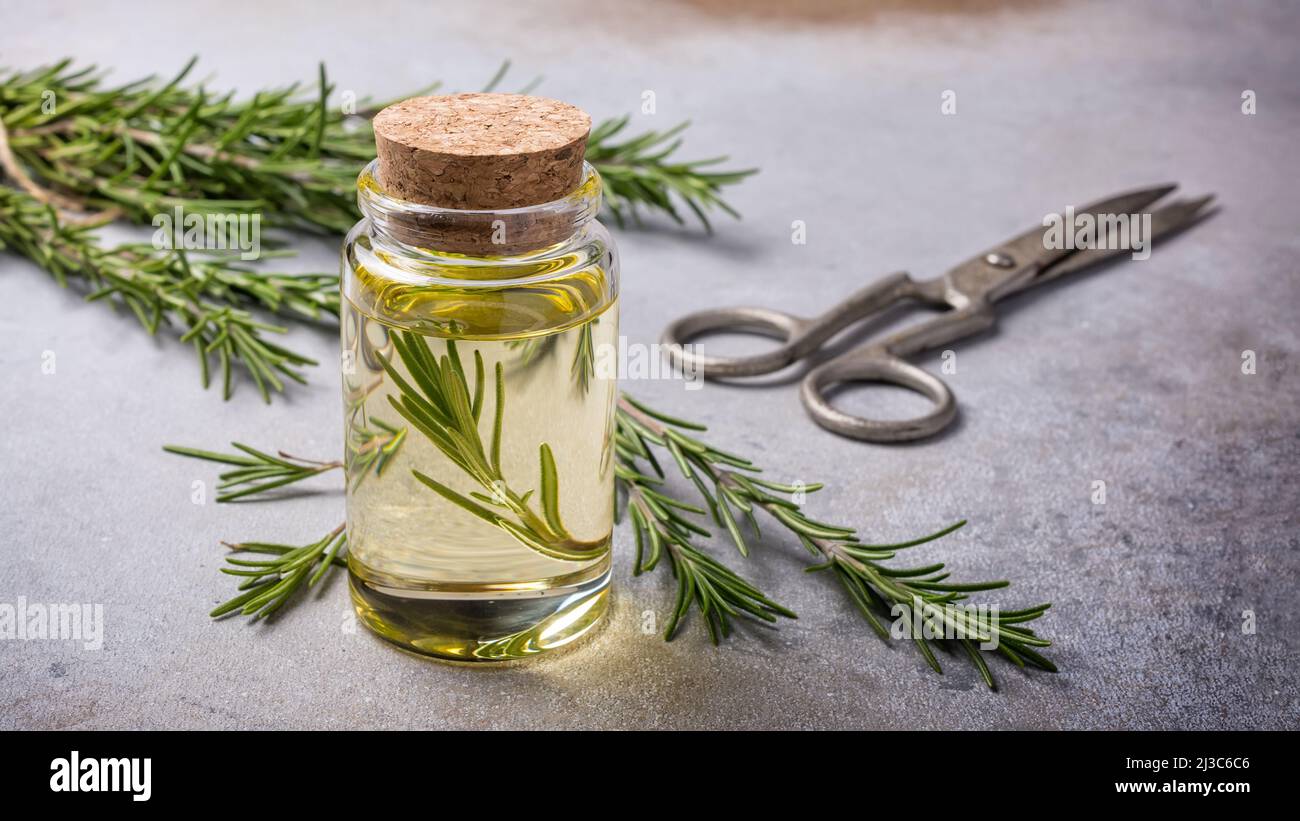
(426, 573)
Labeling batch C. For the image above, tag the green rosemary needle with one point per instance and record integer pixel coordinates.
(584, 357)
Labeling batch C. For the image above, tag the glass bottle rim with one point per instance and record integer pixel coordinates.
(581, 204)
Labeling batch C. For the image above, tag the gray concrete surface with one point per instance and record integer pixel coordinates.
(1130, 375)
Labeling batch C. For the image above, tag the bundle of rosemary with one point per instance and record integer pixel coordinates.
(84, 154)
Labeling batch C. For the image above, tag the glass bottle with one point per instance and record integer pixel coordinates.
(478, 404)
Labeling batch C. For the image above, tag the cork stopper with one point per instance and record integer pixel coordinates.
(481, 151)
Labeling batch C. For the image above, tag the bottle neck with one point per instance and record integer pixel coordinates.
(513, 232)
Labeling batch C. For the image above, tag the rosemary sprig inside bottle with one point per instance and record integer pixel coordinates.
(581, 368)
(439, 401)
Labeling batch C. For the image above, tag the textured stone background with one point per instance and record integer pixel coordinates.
(1130, 375)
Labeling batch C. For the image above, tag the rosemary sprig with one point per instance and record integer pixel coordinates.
(637, 173)
(532, 349)
(256, 471)
(206, 297)
(661, 528)
(582, 367)
(374, 449)
(584, 357)
(726, 481)
(443, 406)
(146, 145)
(269, 584)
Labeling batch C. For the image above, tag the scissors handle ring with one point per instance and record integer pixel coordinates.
(877, 366)
(800, 336)
(775, 324)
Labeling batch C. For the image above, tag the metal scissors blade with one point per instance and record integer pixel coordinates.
(968, 291)
(1018, 262)
(1166, 221)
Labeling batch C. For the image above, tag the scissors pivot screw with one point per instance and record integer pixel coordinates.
(999, 260)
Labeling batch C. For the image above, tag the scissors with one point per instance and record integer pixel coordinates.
(969, 292)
